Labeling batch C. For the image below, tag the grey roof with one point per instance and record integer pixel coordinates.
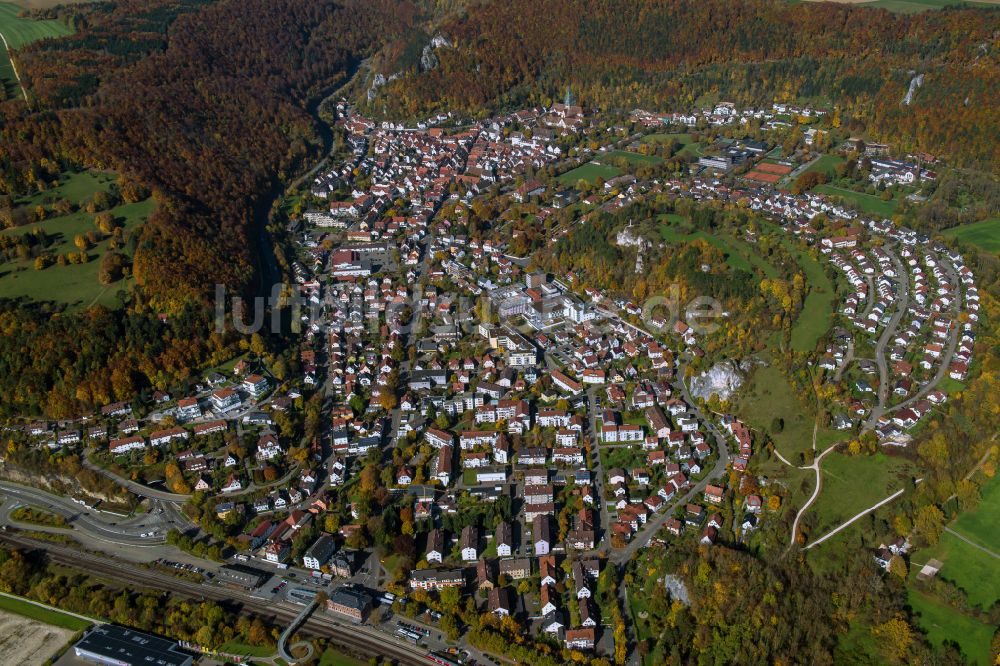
(127, 646)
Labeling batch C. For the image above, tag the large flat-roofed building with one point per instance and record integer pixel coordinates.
(242, 575)
(120, 646)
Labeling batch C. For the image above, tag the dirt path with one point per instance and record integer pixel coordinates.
(13, 66)
(971, 543)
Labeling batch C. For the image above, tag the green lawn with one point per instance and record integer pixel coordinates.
(854, 483)
(768, 396)
(683, 138)
(634, 159)
(826, 164)
(817, 311)
(332, 658)
(76, 186)
(740, 255)
(985, 234)
(969, 568)
(19, 32)
(950, 386)
(589, 172)
(944, 624)
(916, 6)
(75, 285)
(243, 649)
(867, 202)
(982, 524)
(53, 617)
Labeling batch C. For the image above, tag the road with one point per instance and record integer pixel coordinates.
(902, 300)
(654, 524)
(355, 638)
(139, 489)
(108, 528)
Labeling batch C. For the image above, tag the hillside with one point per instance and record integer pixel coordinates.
(667, 55)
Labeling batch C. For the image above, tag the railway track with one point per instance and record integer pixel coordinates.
(353, 637)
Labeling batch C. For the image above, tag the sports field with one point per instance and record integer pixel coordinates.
(589, 172)
(985, 234)
(634, 159)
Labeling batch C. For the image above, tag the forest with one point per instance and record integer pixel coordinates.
(667, 55)
(208, 105)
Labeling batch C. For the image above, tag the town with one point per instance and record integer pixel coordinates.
(460, 431)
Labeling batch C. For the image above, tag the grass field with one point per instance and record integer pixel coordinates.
(75, 285)
(826, 164)
(817, 311)
(331, 658)
(944, 624)
(634, 159)
(950, 386)
(688, 145)
(739, 254)
(854, 483)
(242, 649)
(769, 396)
(589, 172)
(53, 617)
(985, 234)
(917, 6)
(866, 202)
(19, 32)
(969, 568)
(981, 525)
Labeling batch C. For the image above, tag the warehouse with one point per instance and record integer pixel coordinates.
(119, 646)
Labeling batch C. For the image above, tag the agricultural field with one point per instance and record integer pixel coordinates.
(985, 234)
(589, 172)
(869, 203)
(73, 285)
(18, 32)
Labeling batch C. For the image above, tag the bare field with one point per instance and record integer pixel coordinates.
(28, 642)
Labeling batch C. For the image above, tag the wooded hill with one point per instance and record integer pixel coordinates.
(665, 55)
(206, 104)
